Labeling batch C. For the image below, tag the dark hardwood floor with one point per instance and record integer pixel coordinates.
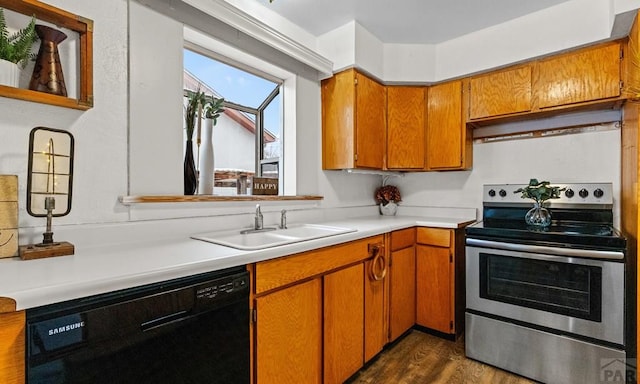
(421, 358)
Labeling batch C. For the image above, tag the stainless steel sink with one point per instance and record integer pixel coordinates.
(267, 239)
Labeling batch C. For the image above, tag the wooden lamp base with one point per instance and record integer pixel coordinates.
(39, 251)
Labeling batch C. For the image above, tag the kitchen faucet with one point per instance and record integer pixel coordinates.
(283, 219)
(258, 223)
(259, 220)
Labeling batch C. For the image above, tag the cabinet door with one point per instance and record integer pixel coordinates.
(402, 291)
(375, 311)
(12, 346)
(433, 288)
(370, 122)
(289, 335)
(500, 93)
(586, 75)
(338, 121)
(406, 127)
(445, 130)
(343, 323)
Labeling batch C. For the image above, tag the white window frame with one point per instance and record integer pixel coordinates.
(209, 46)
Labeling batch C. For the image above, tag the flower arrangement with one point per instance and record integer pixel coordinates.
(386, 194)
(539, 191)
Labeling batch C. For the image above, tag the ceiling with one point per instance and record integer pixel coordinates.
(406, 21)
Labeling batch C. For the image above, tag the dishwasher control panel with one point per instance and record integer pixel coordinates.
(222, 289)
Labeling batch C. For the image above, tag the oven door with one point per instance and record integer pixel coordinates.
(571, 295)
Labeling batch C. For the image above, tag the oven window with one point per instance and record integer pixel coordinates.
(563, 288)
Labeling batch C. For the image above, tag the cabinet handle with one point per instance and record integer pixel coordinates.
(378, 269)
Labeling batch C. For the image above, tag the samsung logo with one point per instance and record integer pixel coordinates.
(66, 328)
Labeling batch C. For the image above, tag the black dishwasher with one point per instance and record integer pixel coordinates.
(187, 330)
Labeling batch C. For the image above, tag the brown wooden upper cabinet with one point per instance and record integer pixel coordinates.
(449, 145)
(589, 74)
(570, 80)
(500, 93)
(353, 121)
(406, 109)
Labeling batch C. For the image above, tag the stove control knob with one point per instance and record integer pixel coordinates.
(502, 193)
(492, 192)
(569, 193)
(598, 193)
(583, 193)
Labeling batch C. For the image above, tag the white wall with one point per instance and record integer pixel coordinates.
(339, 46)
(115, 149)
(369, 51)
(409, 63)
(100, 133)
(564, 26)
(583, 157)
(156, 112)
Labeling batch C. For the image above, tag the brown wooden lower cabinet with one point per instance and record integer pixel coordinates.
(343, 323)
(376, 320)
(289, 335)
(433, 269)
(440, 279)
(402, 290)
(12, 343)
(310, 314)
(321, 315)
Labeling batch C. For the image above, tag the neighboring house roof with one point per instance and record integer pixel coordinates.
(192, 83)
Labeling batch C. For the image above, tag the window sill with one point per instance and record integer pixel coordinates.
(145, 199)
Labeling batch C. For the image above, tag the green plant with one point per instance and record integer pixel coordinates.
(539, 191)
(213, 108)
(194, 101)
(16, 47)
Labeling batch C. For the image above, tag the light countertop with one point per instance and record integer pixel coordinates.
(105, 268)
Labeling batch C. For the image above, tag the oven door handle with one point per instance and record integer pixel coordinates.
(568, 252)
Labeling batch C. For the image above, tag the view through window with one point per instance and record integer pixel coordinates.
(247, 139)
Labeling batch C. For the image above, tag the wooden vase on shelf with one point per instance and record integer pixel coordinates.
(47, 73)
(190, 175)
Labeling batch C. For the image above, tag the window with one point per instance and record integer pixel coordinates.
(247, 139)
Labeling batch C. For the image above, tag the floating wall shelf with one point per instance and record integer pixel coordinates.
(63, 19)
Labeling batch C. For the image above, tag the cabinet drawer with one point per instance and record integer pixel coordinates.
(286, 270)
(403, 238)
(434, 236)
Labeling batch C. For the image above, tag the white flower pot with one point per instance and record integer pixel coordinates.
(9, 73)
(389, 210)
(205, 185)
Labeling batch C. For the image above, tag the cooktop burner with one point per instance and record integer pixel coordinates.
(570, 235)
(581, 218)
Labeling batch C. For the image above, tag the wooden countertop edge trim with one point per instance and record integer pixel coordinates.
(465, 224)
(7, 305)
(127, 200)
